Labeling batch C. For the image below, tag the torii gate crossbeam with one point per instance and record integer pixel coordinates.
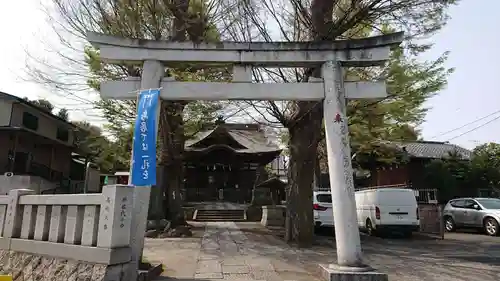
(330, 56)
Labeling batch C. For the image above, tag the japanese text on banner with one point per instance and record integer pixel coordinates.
(144, 149)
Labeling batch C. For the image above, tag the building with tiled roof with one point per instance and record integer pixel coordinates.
(223, 163)
(419, 153)
(432, 149)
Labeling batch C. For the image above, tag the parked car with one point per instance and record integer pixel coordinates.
(322, 209)
(481, 213)
(386, 210)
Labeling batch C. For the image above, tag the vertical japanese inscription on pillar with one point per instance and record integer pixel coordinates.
(144, 148)
(107, 205)
(344, 130)
(123, 211)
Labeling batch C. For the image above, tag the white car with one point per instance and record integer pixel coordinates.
(386, 210)
(322, 209)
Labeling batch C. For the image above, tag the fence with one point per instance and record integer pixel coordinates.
(93, 228)
(430, 212)
(429, 196)
(431, 219)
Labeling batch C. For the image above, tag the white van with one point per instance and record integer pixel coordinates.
(322, 209)
(387, 209)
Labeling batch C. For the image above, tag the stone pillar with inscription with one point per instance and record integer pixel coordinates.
(116, 216)
(152, 73)
(350, 265)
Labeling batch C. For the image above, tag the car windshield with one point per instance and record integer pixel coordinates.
(490, 203)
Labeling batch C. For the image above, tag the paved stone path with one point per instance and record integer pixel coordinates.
(224, 253)
(222, 206)
(247, 251)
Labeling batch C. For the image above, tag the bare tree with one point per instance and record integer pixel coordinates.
(266, 20)
(320, 20)
(78, 69)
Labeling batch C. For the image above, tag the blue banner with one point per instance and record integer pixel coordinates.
(144, 149)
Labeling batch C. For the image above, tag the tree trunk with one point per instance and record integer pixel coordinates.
(303, 142)
(171, 149)
(305, 134)
(172, 129)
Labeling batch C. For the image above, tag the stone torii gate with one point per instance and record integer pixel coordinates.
(331, 56)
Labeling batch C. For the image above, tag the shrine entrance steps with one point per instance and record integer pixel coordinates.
(220, 211)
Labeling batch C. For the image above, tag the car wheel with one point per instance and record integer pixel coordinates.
(449, 224)
(369, 228)
(491, 226)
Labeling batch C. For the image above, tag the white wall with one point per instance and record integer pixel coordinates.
(24, 182)
(5, 112)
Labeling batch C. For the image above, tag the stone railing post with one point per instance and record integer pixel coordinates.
(14, 215)
(115, 217)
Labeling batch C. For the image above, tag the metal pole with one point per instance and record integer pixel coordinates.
(340, 169)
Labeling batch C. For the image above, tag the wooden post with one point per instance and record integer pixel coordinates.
(152, 73)
(439, 208)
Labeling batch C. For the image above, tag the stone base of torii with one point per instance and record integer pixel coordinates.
(332, 90)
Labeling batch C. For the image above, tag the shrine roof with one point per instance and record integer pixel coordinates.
(432, 149)
(248, 138)
(272, 182)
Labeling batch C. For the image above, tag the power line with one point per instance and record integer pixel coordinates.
(465, 125)
(475, 128)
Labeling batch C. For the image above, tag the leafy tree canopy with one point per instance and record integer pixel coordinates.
(43, 104)
(63, 114)
(454, 177)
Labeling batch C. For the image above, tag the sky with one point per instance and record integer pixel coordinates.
(472, 95)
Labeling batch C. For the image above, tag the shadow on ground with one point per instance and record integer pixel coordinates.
(165, 278)
(417, 258)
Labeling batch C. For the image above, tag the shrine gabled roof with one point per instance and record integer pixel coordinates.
(249, 138)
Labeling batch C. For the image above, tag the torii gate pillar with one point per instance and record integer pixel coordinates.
(332, 90)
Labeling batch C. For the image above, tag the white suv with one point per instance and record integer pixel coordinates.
(322, 208)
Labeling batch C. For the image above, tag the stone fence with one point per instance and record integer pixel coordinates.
(91, 228)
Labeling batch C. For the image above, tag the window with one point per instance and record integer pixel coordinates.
(62, 134)
(469, 204)
(458, 203)
(30, 121)
(324, 198)
(490, 203)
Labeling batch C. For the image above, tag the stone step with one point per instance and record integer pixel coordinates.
(220, 215)
(217, 219)
(222, 211)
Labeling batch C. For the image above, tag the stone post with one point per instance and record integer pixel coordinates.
(349, 265)
(14, 215)
(115, 217)
(152, 73)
